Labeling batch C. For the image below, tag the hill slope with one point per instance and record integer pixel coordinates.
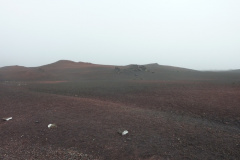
(74, 71)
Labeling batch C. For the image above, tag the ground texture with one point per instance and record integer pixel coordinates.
(165, 120)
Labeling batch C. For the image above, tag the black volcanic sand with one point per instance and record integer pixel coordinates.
(165, 120)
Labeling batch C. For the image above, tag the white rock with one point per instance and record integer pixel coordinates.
(52, 126)
(7, 118)
(124, 133)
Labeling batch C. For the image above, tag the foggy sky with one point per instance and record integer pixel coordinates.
(196, 34)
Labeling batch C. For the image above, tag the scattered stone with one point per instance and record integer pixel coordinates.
(36, 121)
(7, 118)
(51, 126)
(123, 132)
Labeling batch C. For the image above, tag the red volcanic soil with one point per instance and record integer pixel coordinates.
(165, 120)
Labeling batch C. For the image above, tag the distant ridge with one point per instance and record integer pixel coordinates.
(65, 70)
(166, 67)
(60, 70)
(235, 70)
(67, 64)
(13, 68)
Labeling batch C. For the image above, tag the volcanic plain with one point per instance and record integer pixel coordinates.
(169, 112)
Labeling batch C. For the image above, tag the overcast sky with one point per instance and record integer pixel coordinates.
(196, 34)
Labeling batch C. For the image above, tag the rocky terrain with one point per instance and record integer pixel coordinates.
(168, 112)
